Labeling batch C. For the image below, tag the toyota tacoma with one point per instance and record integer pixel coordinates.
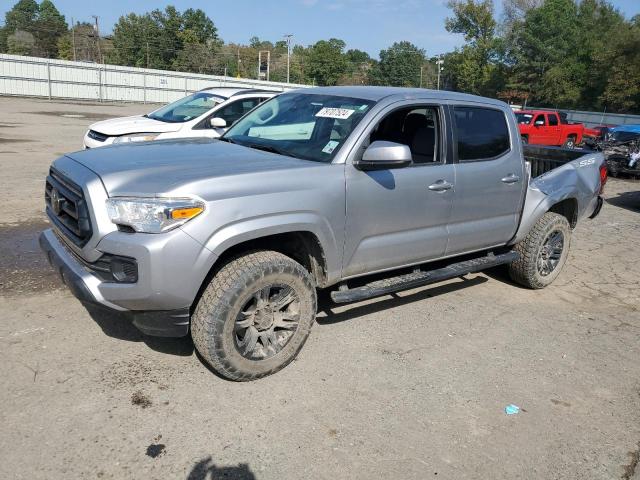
(361, 190)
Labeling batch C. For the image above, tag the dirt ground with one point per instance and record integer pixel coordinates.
(410, 386)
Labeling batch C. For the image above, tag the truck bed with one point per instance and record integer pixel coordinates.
(544, 159)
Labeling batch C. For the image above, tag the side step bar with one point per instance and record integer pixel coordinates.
(420, 278)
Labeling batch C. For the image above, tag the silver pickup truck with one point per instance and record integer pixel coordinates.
(229, 240)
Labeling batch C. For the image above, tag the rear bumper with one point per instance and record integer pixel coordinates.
(85, 286)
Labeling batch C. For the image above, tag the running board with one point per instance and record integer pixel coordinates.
(420, 278)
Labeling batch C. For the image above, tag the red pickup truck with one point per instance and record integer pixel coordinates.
(540, 127)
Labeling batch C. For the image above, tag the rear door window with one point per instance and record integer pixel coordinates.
(482, 133)
(236, 110)
(553, 120)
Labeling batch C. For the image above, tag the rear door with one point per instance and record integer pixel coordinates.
(490, 179)
(554, 129)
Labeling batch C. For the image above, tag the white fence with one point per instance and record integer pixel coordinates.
(42, 77)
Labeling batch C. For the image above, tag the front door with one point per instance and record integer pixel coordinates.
(490, 181)
(399, 217)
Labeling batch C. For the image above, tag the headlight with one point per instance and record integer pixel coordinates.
(153, 215)
(138, 137)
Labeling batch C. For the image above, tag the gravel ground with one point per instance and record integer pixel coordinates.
(409, 386)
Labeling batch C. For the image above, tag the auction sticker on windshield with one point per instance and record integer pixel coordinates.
(340, 113)
(330, 147)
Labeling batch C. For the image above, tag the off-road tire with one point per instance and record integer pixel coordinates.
(214, 318)
(525, 270)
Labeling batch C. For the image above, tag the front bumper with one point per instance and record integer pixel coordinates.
(87, 288)
(88, 142)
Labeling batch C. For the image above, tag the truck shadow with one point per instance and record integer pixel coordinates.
(119, 326)
(627, 200)
(328, 316)
(205, 469)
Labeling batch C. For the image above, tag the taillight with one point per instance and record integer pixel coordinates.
(603, 176)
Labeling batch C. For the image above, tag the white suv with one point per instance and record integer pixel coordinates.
(206, 113)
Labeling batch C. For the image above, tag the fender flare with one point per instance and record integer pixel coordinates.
(235, 233)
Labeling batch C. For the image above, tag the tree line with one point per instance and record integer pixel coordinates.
(560, 53)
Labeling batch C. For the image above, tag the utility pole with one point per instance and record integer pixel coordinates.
(288, 37)
(100, 60)
(439, 63)
(238, 69)
(421, 70)
(147, 54)
(73, 38)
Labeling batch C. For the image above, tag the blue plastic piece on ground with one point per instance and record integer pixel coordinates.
(511, 409)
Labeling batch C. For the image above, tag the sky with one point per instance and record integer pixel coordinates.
(369, 25)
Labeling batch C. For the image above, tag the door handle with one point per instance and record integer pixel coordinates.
(511, 178)
(440, 186)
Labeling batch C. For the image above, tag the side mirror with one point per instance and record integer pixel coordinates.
(383, 155)
(218, 122)
(539, 123)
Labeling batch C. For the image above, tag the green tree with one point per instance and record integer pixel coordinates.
(399, 65)
(325, 62)
(21, 43)
(83, 36)
(622, 90)
(546, 53)
(477, 66)
(601, 30)
(22, 16)
(164, 39)
(49, 27)
(196, 21)
(135, 42)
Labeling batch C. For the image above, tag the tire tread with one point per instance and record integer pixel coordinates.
(236, 274)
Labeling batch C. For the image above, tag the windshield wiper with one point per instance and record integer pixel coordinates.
(225, 139)
(266, 148)
(272, 149)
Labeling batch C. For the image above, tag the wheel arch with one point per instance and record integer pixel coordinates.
(568, 208)
(302, 245)
(538, 203)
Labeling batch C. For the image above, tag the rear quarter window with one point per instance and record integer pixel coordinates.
(482, 133)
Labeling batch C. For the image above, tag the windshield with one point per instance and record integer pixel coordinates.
(301, 125)
(524, 118)
(187, 108)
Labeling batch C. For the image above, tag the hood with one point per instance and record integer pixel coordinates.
(165, 167)
(135, 124)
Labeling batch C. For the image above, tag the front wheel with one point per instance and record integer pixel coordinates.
(543, 252)
(255, 315)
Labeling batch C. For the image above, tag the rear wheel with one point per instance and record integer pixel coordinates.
(525, 139)
(543, 252)
(254, 316)
(570, 142)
